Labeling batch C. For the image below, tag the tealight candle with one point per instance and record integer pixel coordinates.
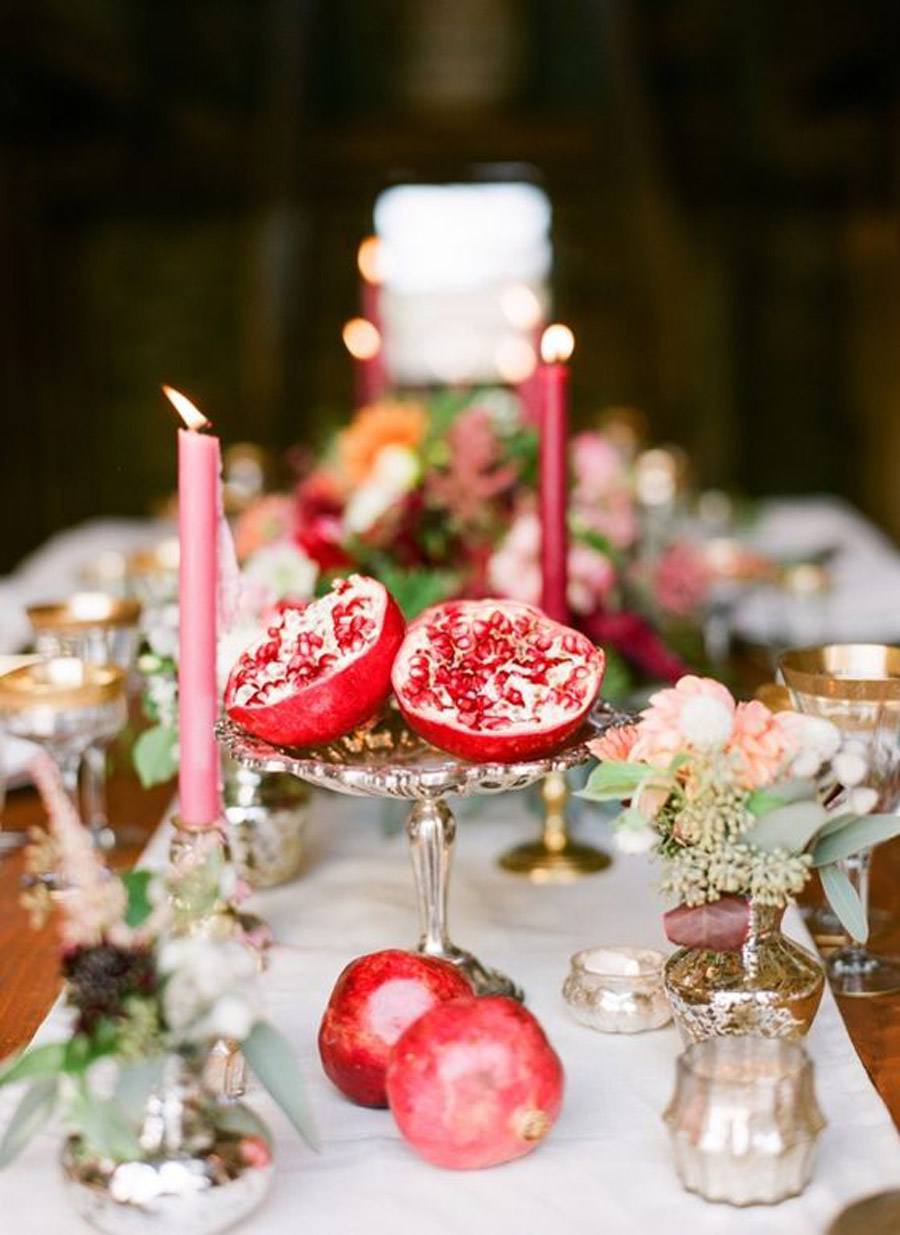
(618, 989)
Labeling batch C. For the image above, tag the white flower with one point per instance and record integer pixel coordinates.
(282, 569)
(393, 474)
(635, 840)
(232, 643)
(806, 763)
(232, 1016)
(706, 722)
(862, 801)
(200, 973)
(811, 733)
(396, 468)
(850, 768)
(161, 630)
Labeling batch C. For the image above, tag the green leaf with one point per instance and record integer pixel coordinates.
(789, 827)
(614, 781)
(844, 900)
(42, 1061)
(416, 590)
(134, 1085)
(863, 832)
(156, 755)
(240, 1120)
(139, 907)
(105, 1127)
(34, 1110)
(270, 1056)
(762, 801)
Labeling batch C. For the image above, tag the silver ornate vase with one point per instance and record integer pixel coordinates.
(770, 986)
(267, 814)
(204, 1165)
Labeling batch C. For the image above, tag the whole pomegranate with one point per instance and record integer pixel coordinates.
(375, 998)
(474, 1083)
(495, 679)
(320, 670)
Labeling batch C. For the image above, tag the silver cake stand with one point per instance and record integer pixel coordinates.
(388, 760)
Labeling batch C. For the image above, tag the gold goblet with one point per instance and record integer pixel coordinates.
(857, 687)
(556, 857)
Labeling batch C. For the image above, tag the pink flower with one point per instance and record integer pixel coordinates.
(761, 746)
(680, 580)
(615, 744)
(661, 733)
(514, 570)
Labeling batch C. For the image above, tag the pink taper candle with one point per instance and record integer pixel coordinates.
(553, 378)
(199, 467)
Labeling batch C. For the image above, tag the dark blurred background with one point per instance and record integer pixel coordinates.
(184, 187)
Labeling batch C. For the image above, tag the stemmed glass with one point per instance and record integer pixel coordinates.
(64, 704)
(856, 686)
(99, 629)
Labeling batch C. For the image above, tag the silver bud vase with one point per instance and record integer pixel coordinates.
(266, 814)
(204, 1164)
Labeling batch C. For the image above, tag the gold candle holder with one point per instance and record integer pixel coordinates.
(555, 857)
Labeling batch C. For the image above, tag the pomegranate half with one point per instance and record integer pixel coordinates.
(320, 670)
(495, 680)
(474, 1083)
(375, 998)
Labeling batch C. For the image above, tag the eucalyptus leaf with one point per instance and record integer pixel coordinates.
(270, 1056)
(105, 1127)
(34, 1110)
(844, 900)
(860, 833)
(155, 755)
(139, 907)
(762, 801)
(240, 1120)
(789, 827)
(134, 1085)
(614, 781)
(41, 1061)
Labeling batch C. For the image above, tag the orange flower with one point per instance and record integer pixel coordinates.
(373, 428)
(616, 744)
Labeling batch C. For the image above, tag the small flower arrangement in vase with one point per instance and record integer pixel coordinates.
(739, 804)
(149, 1142)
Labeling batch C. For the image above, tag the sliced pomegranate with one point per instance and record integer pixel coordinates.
(321, 670)
(495, 679)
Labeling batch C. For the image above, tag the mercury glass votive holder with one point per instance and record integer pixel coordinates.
(744, 1119)
(618, 989)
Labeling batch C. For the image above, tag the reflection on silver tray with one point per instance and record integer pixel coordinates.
(387, 759)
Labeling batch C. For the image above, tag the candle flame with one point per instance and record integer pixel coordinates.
(557, 344)
(361, 339)
(192, 416)
(370, 260)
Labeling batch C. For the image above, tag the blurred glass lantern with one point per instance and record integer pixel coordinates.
(465, 270)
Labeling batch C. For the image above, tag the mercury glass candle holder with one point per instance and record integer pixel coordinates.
(618, 989)
(64, 704)
(104, 630)
(744, 1120)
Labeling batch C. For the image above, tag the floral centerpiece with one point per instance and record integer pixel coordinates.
(145, 1006)
(740, 805)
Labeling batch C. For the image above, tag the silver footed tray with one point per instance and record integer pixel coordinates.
(387, 760)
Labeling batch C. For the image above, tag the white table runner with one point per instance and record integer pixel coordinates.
(606, 1167)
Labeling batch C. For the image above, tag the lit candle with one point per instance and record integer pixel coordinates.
(363, 341)
(557, 344)
(199, 499)
(371, 375)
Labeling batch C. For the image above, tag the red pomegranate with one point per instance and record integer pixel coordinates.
(495, 679)
(375, 998)
(320, 670)
(474, 1083)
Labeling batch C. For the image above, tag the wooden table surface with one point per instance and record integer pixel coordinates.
(28, 958)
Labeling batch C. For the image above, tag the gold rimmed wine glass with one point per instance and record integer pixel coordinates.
(857, 687)
(99, 629)
(65, 705)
